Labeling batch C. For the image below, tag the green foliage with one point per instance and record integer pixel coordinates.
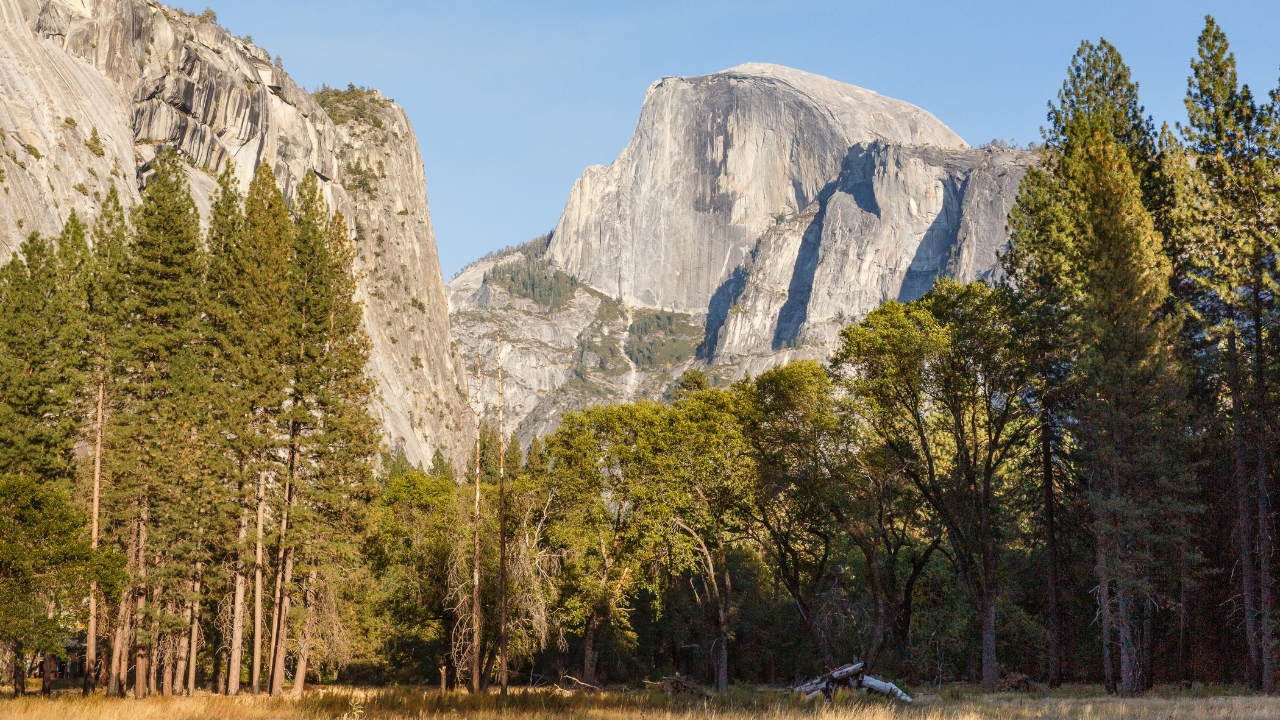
(355, 103)
(94, 143)
(533, 277)
(44, 564)
(357, 177)
(658, 338)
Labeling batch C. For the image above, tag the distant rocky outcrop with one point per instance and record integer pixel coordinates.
(754, 213)
(90, 89)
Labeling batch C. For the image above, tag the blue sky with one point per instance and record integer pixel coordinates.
(511, 100)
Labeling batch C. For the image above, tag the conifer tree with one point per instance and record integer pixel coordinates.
(154, 447)
(104, 293)
(332, 439)
(1234, 143)
(250, 306)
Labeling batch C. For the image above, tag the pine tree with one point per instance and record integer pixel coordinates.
(154, 447)
(1130, 396)
(1234, 143)
(249, 288)
(104, 293)
(332, 439)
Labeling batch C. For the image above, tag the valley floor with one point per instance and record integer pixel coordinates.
(954, 703)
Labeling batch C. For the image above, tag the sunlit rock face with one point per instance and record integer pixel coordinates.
(892, 222)
(147, 76)
(713, 160)
(762, 208)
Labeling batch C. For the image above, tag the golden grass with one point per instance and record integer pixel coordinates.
(1080, 703)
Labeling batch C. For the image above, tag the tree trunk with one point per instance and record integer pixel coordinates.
(281, 637)
(167, 669)
(1266, 646)
(589, 652)
(140, 651)
(1104, 612)
(237, 611)
(1128, 654)
(308, 627)
(476, 617)
(220, 675)
(193, 647)
(116, 682)
(256, 674)
(990, 667)
(48, 667)
(1051, 549)
(1147, 643)
(1184, 630)
(19, 671)
(1244, 520)
(152, 650)
(91, 636)
(284, 577)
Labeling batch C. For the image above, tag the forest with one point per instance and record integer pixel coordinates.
(1064, 473)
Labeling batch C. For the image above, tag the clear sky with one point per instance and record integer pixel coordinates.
(511, 100)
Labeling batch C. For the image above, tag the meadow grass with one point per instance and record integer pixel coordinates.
(952, 703)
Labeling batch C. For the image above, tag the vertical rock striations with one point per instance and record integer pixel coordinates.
(90, 90)
(754, 213)
(712, 161)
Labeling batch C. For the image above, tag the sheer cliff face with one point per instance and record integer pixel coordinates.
(712, 161)
(144, 76)
(769, 205)
(894, 221)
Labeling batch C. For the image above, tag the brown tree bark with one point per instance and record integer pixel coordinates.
(1261, 478)
(280, 639)
(1244, 519)
(91, 634)
(1104, 611)
(235, 659)
(589, 652)
(193, 646)
(48, 666)
(19, 671)
(1051, 549)
(255, 677)
(119, 647)
(308, 629)
(284, 578)
(140, 684)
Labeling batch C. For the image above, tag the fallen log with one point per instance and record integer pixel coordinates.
(852, 676)
(677, 685)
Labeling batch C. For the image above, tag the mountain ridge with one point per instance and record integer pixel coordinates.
(92, 89)
(754, 212)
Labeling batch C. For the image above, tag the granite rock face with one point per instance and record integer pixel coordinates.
(713, 160)
(894, 221)
(143, 76)
(767, 208)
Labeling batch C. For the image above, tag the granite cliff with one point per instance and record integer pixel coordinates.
(90, 89)
(755, 212)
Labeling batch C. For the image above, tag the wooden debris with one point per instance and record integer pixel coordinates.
(852, 676)
(678, 685)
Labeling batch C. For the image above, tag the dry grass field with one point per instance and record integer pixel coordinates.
(1079, 703)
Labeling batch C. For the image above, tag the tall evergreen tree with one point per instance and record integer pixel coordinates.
(1234, 143)
(154, 448)
(249, 287)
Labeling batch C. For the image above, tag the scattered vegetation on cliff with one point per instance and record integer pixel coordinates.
(354, 103)
(660, 338)
(532, 277)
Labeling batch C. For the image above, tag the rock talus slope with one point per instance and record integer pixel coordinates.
(757, 210)
(141, 75)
